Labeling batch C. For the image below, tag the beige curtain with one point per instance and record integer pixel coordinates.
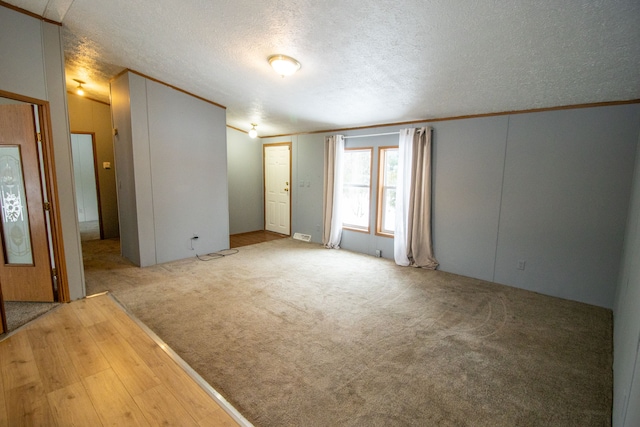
(412, 237)
(332, 194)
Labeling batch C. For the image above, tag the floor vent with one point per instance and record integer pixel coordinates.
(303, 237)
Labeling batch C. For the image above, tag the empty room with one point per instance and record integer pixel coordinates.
(332, 213)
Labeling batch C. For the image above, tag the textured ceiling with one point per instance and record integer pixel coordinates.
(363, 62)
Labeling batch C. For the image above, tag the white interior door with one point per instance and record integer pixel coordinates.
(277, 188)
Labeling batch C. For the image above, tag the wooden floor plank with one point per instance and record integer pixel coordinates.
(71, 406)
(86, 315)
(113, 403)
(27, 405)
(81, 348)
(88, 363)
(18, 363)
(3, 407)
(160, 407)
(130, 368)
(50, 355)
(184, 388)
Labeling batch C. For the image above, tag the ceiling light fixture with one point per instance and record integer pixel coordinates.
(79, 89)
(283, 64)
(253, 132)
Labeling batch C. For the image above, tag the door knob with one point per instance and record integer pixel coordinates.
(286, 189)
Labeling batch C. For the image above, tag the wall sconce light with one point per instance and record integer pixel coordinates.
(79, 89)
(253, 132)
(283, 64)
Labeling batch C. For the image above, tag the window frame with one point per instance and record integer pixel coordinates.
(380, 190)
(352, 227)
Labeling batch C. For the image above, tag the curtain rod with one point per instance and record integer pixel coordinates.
(372, 134)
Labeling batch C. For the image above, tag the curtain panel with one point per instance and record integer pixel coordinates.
(332, 191)
(412, 238)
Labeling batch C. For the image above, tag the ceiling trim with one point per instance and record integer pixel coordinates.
(469, 116)
(166, 84)
(31, 14)
(88, 97)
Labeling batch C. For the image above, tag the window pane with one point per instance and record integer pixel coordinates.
(390, 167)
(356, 189)
(389, 215)
(387, 190)
(355, 208)
(15, 218)
(357, 170)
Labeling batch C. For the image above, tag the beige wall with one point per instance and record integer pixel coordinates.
(86, 115)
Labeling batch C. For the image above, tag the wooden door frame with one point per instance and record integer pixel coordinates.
(96, 176)
(264, 181)
(3, 316)
(57, 243)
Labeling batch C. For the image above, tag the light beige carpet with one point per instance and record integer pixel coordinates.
(293, 334)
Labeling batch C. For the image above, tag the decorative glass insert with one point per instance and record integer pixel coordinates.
(16, 237)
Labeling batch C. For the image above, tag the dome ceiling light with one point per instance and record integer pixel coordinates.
(253, 132)
(284, 65)
(79, 89)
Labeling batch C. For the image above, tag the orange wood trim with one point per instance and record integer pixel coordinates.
(87, 97)
(264, 181)
(239, 130)
(54, 213)
(168, 85)
(3, 316)
(468, 116)
(380, 185)
(31, 14)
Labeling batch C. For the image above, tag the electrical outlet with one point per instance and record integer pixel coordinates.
(521, 264)
(378, 253)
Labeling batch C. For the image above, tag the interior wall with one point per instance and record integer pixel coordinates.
(125, 182)
(246, 195)
(87, 115)
(565, 200)
(188, 155)
(174, 181)
(33, 65)
(549, 188)
(626, 319)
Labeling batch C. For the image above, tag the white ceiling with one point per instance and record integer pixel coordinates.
(363, 62)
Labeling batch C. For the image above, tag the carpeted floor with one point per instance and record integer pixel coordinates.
(294, 334)
(20, 313)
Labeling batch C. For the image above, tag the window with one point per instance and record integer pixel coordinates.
(388, 177)
(356, 188)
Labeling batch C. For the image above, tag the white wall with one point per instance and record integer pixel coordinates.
(626, 319)
(33, 65)
(173, 179)
(246, 194)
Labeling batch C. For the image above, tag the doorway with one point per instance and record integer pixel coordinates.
(277, 187)
(83, 150)
(32, 269)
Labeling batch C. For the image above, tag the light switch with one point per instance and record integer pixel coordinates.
(301, 183)
(106, 165)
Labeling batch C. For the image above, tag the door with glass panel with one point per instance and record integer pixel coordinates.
(25, 268)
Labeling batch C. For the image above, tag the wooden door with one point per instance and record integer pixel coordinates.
(25, 270)
(277, 184)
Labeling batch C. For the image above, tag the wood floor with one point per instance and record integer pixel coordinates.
(253, 237)
(87, 363)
